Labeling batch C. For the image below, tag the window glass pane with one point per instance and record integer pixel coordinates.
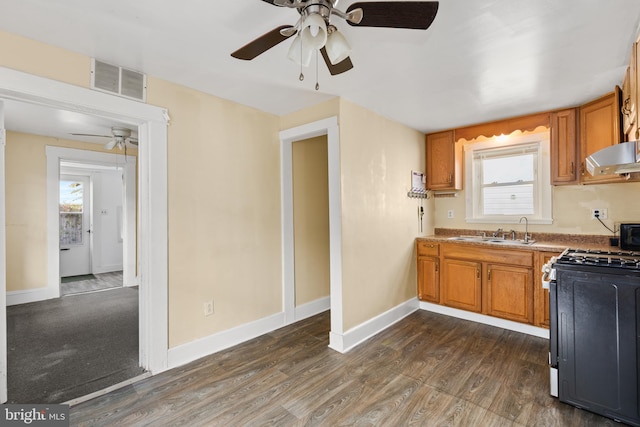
(508, 200)
(70, 229)
(508, 169)
(71, 212)
(71, 193)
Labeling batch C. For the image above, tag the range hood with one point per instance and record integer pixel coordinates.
(618, 159)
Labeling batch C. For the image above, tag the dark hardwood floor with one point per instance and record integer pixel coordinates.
(427, 370)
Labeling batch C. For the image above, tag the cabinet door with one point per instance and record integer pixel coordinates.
(509, 292)
(599, 128)
(428, 279)
(461, 285)
(564, 147)
(443, 162)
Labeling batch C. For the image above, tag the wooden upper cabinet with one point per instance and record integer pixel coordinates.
(599, 128)
(628, 104)
(444, 162)
(564, 147)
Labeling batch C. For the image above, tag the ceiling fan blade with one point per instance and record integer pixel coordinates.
(417, 15)
(109, 145)
(91, 134)
(261, 44)
(340, 67)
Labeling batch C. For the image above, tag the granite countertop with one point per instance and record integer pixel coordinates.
(543, 241)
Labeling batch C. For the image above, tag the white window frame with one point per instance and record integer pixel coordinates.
(543, 190)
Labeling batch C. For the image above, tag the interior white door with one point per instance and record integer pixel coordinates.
(3, 269)
(75, 225)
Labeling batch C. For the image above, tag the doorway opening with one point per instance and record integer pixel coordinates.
(152, 207)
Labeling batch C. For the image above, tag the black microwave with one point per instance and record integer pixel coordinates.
(630, 237)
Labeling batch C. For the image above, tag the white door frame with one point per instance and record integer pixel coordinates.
(55, 155)
(330, 128)
(152, 154)
(3, 266)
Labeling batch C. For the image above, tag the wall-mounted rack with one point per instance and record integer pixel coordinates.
(418, 194)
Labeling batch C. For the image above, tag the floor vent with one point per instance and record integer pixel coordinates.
(119, 81)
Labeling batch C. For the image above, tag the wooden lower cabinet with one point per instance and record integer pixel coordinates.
(462, 284)
(428, 271)
(509, 292)
(429, 279)
(498, 282)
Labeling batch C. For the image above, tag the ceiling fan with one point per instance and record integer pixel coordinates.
(316, 32)
(119, 138)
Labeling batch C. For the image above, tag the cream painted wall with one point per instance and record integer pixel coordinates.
(321, 111)
(379, 221)
(224, 212)
(26, 177)
(43, 60)
(311, 219)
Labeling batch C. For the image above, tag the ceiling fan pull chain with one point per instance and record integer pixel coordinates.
(317, 84)
(301, 75)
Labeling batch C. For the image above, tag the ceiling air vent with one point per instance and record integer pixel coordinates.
(119, 81)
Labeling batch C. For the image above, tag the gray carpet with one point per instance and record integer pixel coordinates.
(64, 348)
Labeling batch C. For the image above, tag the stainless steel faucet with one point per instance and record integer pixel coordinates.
(497, 232)
(527, 237)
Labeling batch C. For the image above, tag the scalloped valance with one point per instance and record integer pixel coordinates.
(503, 127)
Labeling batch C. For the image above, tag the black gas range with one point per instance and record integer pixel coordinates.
(594, 333)
(628, 260)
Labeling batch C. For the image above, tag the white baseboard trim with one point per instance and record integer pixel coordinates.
(30, 295)
(487, 320)
(202, 347)
(354, 336)
(312, 308)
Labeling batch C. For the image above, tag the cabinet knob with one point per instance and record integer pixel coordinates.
(477, 273)
(573, 168)
(489, 275)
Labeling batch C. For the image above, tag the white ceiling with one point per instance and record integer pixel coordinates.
(480, 60)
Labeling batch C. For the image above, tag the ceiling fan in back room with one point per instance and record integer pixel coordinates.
(315, 32)
(119, 138)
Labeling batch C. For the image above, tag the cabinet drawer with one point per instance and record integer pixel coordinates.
(523, 258)
(428, 249)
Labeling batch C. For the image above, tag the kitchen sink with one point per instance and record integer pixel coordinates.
(493, 240)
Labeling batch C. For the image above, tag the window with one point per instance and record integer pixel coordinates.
(71, 212)
(508, 180)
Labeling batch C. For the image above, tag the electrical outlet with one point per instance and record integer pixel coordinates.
(600, 213)
(208, 308)
(450, 213)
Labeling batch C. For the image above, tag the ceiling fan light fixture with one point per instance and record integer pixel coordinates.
(355, 16)
(299, 52)
(337, 47)
(314, 31)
